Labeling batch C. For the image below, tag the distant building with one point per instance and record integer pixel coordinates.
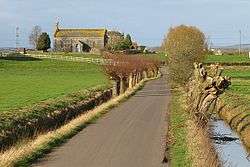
(218, 52)
(79, 40)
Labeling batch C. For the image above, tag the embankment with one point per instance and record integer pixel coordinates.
(234, 111)
(190, 144)
(48, 115)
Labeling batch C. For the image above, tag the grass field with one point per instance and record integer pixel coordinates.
(157, 56)
(227, 59)
(240, 80)
(25, 83)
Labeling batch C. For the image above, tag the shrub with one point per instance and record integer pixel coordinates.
(43, 42)
(184, 46)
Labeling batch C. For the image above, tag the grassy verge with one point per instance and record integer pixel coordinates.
(190, 144)
(27, 152)
(178, 132)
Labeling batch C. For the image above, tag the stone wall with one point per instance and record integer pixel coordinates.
(79, 44)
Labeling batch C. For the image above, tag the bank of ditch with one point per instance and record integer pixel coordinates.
(189, 143)
(234, 110)
(48, 115)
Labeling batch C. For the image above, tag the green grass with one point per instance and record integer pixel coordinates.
(24, 83)
(61, 138)
(178, 132)
(240, 79)
(157, 56)
(238, 94)
(227, 59)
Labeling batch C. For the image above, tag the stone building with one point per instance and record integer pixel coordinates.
(79, 40)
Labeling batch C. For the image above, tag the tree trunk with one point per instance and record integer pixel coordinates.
(122, 85)
(115, 91)
(144, 74)
(130, 81)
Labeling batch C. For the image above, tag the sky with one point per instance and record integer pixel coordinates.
(146, 20)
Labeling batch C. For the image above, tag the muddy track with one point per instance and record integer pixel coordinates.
(130, 135)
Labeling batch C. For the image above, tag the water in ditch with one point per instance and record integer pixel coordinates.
(228, 145)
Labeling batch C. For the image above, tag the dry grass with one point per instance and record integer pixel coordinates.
(30, 148)
(200, 147)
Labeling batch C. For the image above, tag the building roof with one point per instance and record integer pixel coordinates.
(80, 33)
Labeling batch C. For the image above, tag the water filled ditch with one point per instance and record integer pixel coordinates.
(228, 145)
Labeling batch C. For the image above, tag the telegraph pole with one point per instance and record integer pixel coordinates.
(240, 43)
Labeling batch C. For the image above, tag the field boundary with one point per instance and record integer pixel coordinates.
(99, 61)
(70, 58)
(27, 152)
(229, 64)
(48, 115)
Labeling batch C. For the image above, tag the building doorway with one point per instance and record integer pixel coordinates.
(85, 47)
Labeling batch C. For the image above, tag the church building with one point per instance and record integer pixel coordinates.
(79, 40)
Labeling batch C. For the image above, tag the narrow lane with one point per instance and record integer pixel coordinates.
(130, 135)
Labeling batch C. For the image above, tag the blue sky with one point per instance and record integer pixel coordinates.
(146, 20)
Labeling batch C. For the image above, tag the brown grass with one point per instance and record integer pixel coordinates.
(200, 146)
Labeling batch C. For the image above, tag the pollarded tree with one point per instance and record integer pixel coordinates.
(43, 42)
(184, 46)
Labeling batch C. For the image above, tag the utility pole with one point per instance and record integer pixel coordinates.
(240, 43)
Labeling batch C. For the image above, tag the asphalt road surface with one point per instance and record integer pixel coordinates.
(130, 135)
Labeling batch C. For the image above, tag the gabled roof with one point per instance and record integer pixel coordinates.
(80, 33)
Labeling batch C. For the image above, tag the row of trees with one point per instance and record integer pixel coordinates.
(128, 70)
(39, 40)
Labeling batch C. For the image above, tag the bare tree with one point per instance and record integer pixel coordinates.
(34, 35)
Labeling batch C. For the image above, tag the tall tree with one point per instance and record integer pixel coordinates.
(128, 42)
(184, 46)
(43, 42)
(34, 35)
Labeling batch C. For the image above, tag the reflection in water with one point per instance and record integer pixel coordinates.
(228, 145)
